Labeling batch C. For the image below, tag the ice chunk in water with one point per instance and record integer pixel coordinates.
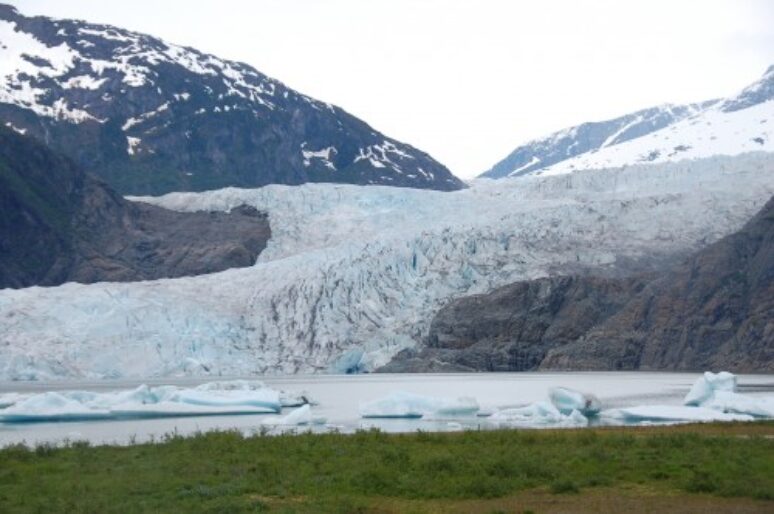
(237, 397)
(538, 414)
(299, 416)
(670, 413)
(718, 392)
(178, 409)
(727, 401)
(568, 400)
(49, 407)
(706, 386)
(408, 405)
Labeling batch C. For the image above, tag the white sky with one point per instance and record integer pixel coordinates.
(468, 81)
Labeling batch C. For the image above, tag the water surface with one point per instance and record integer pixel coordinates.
(338, 398)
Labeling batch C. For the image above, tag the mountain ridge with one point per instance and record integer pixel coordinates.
(58, 224)
(726, 126)
(152, 117)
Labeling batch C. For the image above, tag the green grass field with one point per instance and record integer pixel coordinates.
(712, 468)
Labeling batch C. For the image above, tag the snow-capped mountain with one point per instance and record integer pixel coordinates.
(152, 117)
(741, 123)
(353, 275)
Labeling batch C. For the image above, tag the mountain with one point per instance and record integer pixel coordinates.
(354, 275)
(713, 311)
(729, 126)
(151, 117)
(58, 224)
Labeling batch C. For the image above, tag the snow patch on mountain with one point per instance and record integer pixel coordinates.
(730, 126)
(360, 270)
(713, 132)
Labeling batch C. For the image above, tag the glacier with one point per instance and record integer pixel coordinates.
(354, 274)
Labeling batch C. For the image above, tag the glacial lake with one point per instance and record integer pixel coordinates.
(338, 398)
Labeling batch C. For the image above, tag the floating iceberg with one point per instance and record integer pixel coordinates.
(717, 391)
(237, 397)
(50, 406)
(299, 416)
(539, 414)
(706, 386)
(409, 405)
(568, 400)
(726, 401)
(8, 399)
(670, 413)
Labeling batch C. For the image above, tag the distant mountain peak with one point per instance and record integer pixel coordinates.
(666, 132)
(151, 116)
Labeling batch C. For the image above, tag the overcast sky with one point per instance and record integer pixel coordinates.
(468, 81)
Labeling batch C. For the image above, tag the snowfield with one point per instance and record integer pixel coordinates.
(713, 131)
(354, 274)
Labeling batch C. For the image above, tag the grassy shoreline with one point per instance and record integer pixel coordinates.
(718, 467)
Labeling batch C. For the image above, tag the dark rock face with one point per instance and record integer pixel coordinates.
(58, 224)
(151, 117)
(713, 311)
(514, 327)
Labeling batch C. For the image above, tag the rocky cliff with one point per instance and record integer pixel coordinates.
(715, 310)
(58, 224)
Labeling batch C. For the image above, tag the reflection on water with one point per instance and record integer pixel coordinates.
(338, 398)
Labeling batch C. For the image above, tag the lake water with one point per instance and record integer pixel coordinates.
(338, 398)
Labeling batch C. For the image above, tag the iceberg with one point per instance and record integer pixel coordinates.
(299, 416)
(8, 399)
(408, 405)
(568, 400)
(726, 401)
(236, 397)
(706, 386)
(717, 391)
(670, 413)
(50, 406)
(538, 414)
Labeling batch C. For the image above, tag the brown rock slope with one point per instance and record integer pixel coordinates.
(58, 224)
(715, 310)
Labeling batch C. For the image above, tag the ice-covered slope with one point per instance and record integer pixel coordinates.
(357, 272)
(588, 138)
(738, 124)
(713, 132)
(152, 117)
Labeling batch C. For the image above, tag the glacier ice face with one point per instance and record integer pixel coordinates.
(409, 405)
(238, 397)
(705, 387)
(568, 400)
(359, 271)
